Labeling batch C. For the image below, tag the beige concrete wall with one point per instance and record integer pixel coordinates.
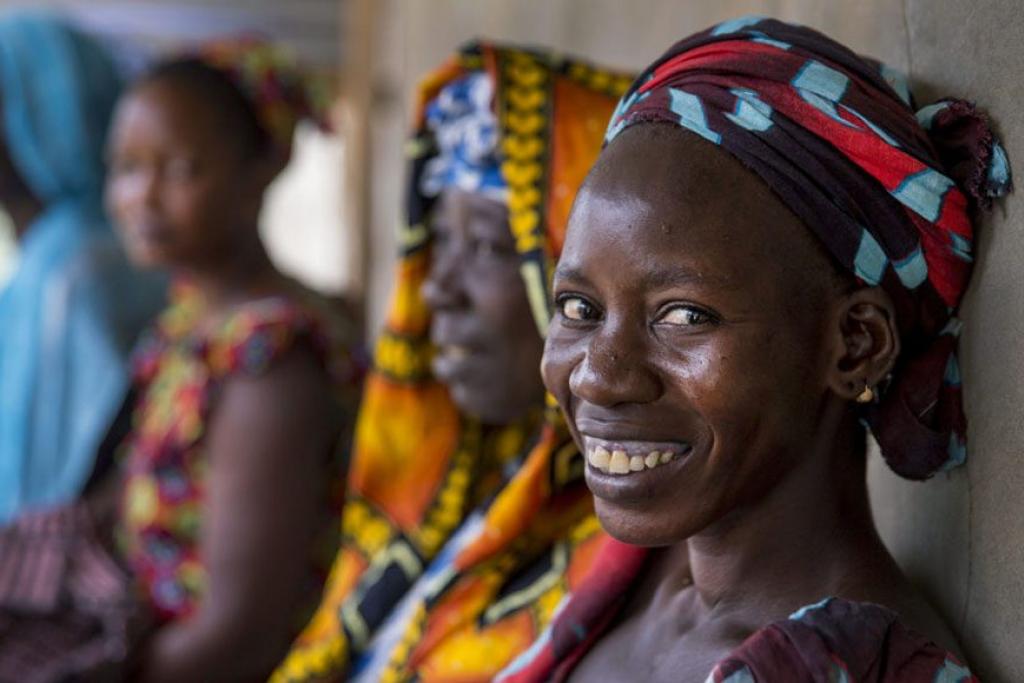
(961, 535)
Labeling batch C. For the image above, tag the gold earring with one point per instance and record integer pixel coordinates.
(866, 396)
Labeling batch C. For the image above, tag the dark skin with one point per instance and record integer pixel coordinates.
(186, 196)
(720, 331)
(488, 345)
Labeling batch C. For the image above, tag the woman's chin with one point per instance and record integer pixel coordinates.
(146, 256)
(484, 404)
(639, 528)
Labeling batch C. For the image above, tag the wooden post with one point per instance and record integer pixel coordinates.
(358, 26)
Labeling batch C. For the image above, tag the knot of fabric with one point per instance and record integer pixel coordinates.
(282, 92)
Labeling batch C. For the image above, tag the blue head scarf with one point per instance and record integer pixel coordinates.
(73, 307)
(466, 133)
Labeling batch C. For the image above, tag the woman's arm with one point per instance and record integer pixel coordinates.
(268, 444)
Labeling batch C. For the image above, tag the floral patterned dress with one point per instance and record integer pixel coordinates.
(178, 372)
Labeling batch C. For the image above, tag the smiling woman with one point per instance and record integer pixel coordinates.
(488, 346)
(790, 249)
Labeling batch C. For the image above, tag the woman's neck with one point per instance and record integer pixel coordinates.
(246, 274)
(810, 537)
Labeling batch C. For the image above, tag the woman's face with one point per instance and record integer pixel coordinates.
(178, 187)
(488, 347)
(688, 344)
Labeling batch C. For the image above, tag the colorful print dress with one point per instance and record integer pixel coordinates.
(178, 372)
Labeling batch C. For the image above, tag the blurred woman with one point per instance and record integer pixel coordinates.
(73, 308)
(431, 583)
(247, 383)
(799, 243)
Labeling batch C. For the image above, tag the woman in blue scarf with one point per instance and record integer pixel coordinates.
(70, 314)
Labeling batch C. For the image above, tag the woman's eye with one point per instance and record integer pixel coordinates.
(122, 166)
(181, 169)
(490, 249)
(575, 308)
(685, 316)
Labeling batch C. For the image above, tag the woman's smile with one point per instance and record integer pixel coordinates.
(628, 471)
(455, 363)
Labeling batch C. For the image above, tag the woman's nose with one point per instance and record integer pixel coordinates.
(445, 286)
(149, 189)
(615, 369)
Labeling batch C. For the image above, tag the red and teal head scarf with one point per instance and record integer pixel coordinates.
(888, 191)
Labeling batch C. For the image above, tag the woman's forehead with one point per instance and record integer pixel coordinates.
(678, 166)
(673, 178)
(664, 196)
(171, 112)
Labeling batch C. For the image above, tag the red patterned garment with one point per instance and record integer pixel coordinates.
(832, 641)
(838, 640)
(178, 370)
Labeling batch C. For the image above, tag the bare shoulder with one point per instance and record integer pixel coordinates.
(285, 409)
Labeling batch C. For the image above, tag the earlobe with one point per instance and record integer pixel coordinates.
(868, 345)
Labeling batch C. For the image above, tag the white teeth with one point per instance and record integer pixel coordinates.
(456, 352)
(599, 458)
(619, 463)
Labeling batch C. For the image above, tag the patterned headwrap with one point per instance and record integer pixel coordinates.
(888, 193)
(419, 466)
(465, 130)
(281, 91)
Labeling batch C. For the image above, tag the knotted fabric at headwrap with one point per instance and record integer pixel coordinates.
(281, 91)
(835, 136)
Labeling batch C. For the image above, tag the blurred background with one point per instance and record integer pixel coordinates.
(304, 223)
(330, 219)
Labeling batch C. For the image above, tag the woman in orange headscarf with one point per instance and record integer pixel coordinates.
(466, 520)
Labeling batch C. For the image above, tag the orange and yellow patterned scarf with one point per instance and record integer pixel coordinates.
(419, 467)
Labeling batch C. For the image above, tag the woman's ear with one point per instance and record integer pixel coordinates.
(868, 342)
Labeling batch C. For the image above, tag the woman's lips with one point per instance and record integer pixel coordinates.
(619, 457)
(149, 231)
(632, 471)
(454, 351)
(453, 361)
